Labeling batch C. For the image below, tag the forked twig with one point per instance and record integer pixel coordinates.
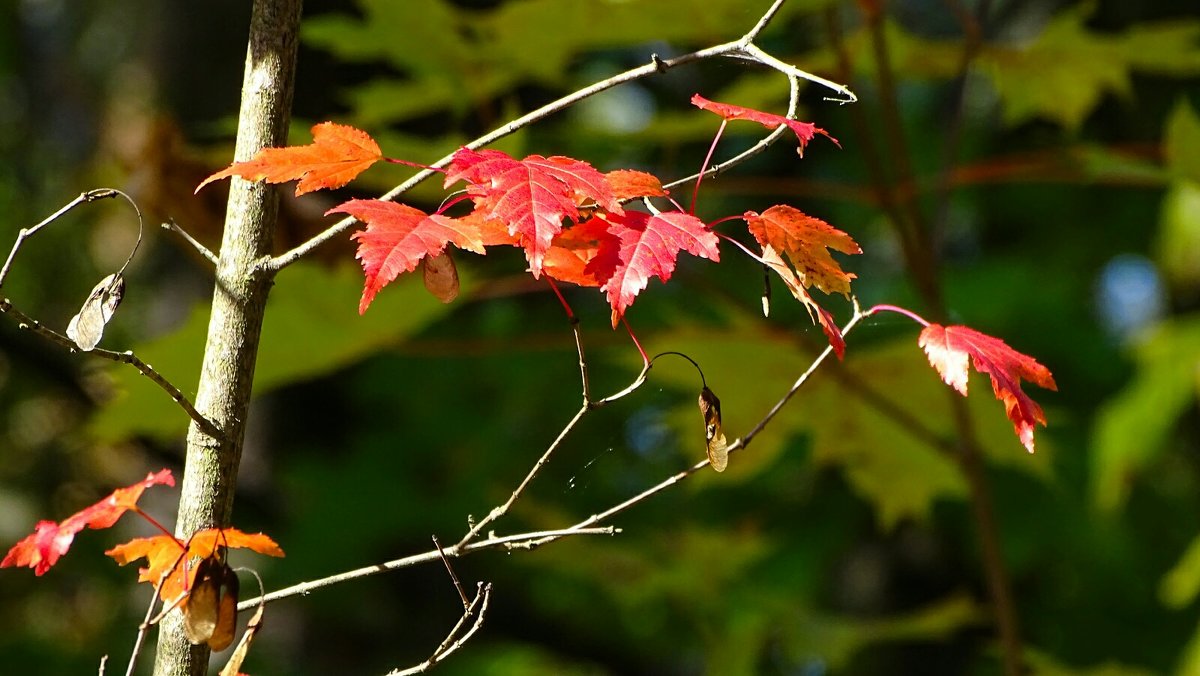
(587, 526)
(26, 322)
(507, 542)
(25, 233)
(477, 608)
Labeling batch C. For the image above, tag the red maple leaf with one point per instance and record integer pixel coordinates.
(949, 348)
(805, 131)
(337, 154)
(649, 245)
(806, 242)
(817, 313)
(51, 540)
(531, 196)
(165, 556)
(398, 237)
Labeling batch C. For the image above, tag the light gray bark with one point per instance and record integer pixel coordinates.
(239, 298)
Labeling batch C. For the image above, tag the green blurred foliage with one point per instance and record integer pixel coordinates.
(840, 542)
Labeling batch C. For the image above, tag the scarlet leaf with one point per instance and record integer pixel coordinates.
(818, 314)
(805, 131)
(948, 349)
(805, 240)
(649, 245)
(531, 196)
(627, 184)
(337, 154)
(164, 555)
(398, 237)
(51, 540)
(586, 254)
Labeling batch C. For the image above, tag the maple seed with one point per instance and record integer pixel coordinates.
(714, 438)
(210, 612)
(441, 276)
(87, 327)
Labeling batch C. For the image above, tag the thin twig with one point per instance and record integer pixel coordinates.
(450, 570)
(583, 367)
(743, 47)
(24, 321)
(478, 608)
(146, 624)
(507, 542)
(535, 539)
(501, 510)
(26, 233)
(200, 248)
(753, 51)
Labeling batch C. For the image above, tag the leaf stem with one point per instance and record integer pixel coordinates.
(703, 383)
(884, 307)
(712, 147)
(163, 529)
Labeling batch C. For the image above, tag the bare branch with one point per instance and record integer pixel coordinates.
(478, 608)
(588, 526)
(462, 594)
(508, 542)
(501, 510)
(26, 233)
(24, 321)
(200, 248)
(755, 52)
(144, 627)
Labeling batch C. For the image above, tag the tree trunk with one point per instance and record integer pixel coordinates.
(239, 298)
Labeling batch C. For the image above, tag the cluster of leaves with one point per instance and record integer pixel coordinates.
(189, 575)
(567, 216)
(573, 224)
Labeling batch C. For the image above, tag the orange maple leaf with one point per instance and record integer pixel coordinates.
(51, 540)
(165, 556)
(337, 154)
(806, 242)
(950, 347)
(586, 254)
(628, 184)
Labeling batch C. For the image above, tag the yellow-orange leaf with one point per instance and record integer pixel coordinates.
(337, 154)
(628, 183)
(165, 556)
(805, 241)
